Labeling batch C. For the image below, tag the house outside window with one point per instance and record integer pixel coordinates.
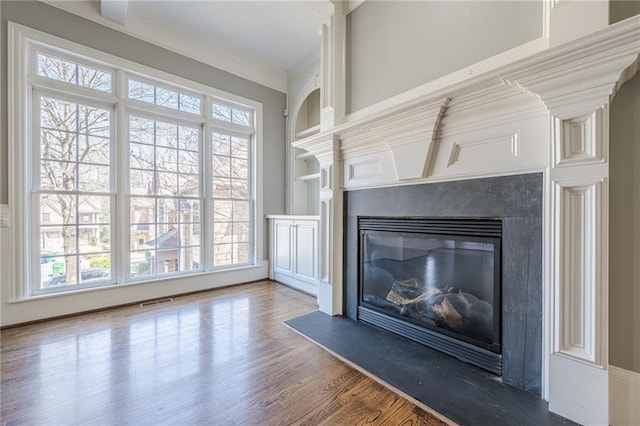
(120, 154)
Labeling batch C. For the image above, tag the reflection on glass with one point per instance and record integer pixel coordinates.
(438, 282)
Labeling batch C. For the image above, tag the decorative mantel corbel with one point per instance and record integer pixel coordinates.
(580, 77)
(577, 85)
(408, 134)
(410, 137)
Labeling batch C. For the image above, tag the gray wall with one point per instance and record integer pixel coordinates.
(624, 228)
(394, 46)
(620, 10)
(59, 23)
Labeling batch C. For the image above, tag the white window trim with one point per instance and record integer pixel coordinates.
(34, 193)
(21, 40)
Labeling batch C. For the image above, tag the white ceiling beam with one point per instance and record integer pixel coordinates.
(114, 10)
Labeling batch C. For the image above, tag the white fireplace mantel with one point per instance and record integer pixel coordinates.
(547, 112)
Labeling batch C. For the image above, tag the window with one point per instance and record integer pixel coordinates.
(231, 114)
(165, 187)
(162, 96)
(231, 218)
(72, 145)
(165, 165)
(71, 72)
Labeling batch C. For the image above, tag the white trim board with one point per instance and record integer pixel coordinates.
(67, 303)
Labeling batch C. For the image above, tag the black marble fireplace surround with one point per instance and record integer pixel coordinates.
(517, 202)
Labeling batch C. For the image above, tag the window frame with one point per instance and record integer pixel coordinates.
(251, 219)
(61, 54)
(37, 191)
(200, 197)
(23, 43)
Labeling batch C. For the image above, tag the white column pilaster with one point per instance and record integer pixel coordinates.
(577, 95)
(330, 287)
(326, 148)
(332, 68)
(578, 382)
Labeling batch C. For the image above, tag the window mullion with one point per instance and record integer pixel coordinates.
(32, 205)
(150, 110)
(206, 227)
(93, 101)
(121, 225)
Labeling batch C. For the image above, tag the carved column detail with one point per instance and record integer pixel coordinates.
(577, 139)
(579, 175)
(582, 276)
(580, 262)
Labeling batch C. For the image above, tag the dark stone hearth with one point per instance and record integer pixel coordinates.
(463, 393)
(517, 200)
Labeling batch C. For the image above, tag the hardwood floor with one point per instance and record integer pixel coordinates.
(221, 357)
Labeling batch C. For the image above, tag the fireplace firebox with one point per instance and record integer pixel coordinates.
(436, 281)
(513, 204)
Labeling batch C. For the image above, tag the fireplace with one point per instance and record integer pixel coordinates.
(493, 223)
(436, 281)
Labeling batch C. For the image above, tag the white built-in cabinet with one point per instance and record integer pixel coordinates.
(294, 246)
(294, 251)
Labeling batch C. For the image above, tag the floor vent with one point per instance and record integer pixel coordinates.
(155, 302)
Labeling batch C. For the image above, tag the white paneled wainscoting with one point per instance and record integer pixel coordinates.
(546, 113)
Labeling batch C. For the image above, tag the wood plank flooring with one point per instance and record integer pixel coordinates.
(221, 357)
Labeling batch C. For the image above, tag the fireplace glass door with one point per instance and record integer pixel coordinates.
(442, 282)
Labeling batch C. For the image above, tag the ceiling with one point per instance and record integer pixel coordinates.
(261, 40)
(274, 34)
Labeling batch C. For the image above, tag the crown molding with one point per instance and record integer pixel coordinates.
(182, 43)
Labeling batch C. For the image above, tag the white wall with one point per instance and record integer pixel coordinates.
(624, 227)
(394, 46)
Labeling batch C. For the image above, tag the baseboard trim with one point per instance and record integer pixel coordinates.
(98, 298)
(303, 286)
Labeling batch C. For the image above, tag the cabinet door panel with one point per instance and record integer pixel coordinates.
(306, 243)
(282, 231)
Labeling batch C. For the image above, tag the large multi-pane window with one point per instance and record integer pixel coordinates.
(164, 188)
(231, 198)
(133, 177)
(72, 184)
